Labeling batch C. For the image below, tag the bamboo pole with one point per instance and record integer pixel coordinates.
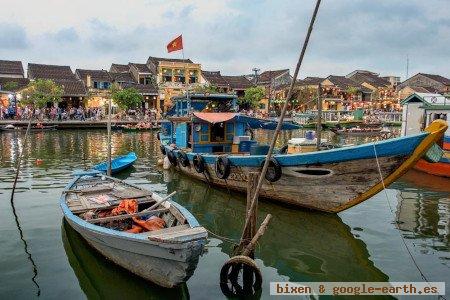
(319, 116)
(283, 113)
(109, 138)
(251, 245)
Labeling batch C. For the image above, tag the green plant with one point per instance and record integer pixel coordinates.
(252, 97)
(40, 92)
(126, 98)
(10, 86)
(211, 89)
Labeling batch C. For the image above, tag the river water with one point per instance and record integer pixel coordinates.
(41, 255)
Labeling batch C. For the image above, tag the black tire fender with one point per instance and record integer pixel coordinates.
(199, 163)
(172, 158)
(274, 170)
(222, 167)
(163, 149)
(183, 159)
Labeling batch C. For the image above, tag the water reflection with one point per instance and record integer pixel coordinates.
(302, 245)
(99, 278)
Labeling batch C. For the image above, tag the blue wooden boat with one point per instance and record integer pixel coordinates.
(216, 147)
(167, 256)
(118, 164)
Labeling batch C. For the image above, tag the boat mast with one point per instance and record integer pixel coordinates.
(109, 138)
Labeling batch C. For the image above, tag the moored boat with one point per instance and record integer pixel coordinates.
(358, 131)
(214, 147)
(118, 164)
(33, 128)
(166, 255)
(419, 110)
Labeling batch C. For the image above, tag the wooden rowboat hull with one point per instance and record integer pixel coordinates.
(330, 180)
(165, 261)
(166, 265)
(118, 164)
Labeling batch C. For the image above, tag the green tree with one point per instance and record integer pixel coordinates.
(211, 89)
(10, 86)
(252, 97)
(38, 93)
(126, 98)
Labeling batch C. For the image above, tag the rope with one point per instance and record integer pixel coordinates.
(229, 240)
(396, 224)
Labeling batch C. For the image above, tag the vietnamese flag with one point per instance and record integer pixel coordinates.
(176, 44)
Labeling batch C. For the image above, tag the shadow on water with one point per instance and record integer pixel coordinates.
(25, 247)
(100, 278)
(300, 244)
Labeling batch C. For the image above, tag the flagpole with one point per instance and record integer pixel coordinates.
(186, 80)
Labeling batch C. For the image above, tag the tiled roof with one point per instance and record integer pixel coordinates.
(238, 82)
(96, 75)
(39, 71)
(153, 62)
(310, 81)
(142, 68)
(215, 78)
(21, 82)
(370, 78)
(342, 81)
(11, 67)
(71, 87)
(266, 76)
(424, 89)
(438, 78)
(122, 77)
(145, 89)
(118, 68)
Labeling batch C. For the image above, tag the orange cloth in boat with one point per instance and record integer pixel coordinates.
(127, 206)
(152, 224)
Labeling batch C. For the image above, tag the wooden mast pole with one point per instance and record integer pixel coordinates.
(280, 121)
(109, 138)
(319, 116)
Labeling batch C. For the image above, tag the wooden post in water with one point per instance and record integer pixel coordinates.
(252, 214)
(109, 138)
(319, 116)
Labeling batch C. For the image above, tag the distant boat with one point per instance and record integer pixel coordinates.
(357, 131)
(166, 256)
(33, 128)
(118, 164)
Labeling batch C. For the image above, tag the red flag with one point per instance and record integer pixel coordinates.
(176, 44)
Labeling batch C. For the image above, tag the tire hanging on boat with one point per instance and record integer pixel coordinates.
(172, 158)
(222, 167)
(183, 159)
(158, 136)
(283, 150)
(163, 149)
(199, 163)
(274, 171)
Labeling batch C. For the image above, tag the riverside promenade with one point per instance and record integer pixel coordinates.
(71, 124)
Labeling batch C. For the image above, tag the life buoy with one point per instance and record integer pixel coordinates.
(199, 163)
(283, 150)
(222, 167)
(183, 159)
(172, 158)
(274, 171)
(163, 149)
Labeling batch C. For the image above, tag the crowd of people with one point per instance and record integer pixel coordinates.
(73, 113)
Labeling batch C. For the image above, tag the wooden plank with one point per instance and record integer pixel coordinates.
(166, 230)
(121, 217)
(181, 219)
(190, 233)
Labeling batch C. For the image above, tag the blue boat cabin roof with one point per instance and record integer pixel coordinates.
(184, 104)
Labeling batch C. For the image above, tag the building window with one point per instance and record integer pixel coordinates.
(96, 85)
(166, 75)
(193, 76)
(179, 75)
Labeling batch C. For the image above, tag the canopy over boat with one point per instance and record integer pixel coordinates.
(254, 123)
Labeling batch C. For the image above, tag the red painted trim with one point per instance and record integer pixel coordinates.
(438, 169)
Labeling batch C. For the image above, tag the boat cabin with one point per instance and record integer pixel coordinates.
(420, 109)
(186, 104)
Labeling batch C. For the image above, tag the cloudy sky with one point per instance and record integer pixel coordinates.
(232, 36)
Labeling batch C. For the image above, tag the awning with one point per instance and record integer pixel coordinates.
(214, 117)
(254, 123)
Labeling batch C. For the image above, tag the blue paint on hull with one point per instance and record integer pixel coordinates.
(118, 164)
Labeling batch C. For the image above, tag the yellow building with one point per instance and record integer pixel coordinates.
(174, 77)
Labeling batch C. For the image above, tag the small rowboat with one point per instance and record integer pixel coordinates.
(118, 164)
(32, 129)
(166, 256)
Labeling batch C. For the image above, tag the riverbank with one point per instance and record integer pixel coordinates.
(71, 124)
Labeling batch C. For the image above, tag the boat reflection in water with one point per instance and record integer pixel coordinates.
(100, 278)
(302, 245)
(425, 213)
